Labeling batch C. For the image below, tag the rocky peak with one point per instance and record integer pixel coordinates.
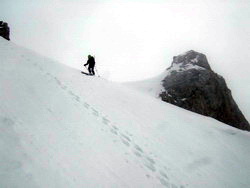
(191, 58)
(190, 83)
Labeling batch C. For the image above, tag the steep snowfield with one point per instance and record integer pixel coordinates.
(59, 128)
(151, 86)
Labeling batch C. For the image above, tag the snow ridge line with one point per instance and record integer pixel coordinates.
(156, 170)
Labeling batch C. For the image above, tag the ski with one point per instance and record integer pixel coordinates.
(87, 73)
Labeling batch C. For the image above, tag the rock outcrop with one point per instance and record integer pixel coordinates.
(4, 30)
(191, 84)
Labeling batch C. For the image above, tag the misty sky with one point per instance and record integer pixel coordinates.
(135, 39)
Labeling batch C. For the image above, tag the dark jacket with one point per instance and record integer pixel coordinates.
(90, 62)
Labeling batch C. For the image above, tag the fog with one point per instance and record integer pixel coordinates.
(134, 40)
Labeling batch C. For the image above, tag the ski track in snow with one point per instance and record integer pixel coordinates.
(154, 168)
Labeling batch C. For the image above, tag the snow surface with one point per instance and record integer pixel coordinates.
(152, 86)
(59, 128)
(184, 67)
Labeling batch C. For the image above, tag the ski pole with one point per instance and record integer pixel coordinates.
(97, 72)
(86, 68)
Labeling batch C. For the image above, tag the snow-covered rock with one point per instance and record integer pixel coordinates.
(4, 30)
(59, 128)
(205, 92)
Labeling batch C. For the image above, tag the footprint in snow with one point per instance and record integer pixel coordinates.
(58, 82)
(163, 174)
(74, 95)
(138, 148)
(125, 137)
(105, 120)
(149, 165)
(150, 160)
(70, 92)
(113, 131)
(138, 154)
(95, 112)
(164, 182)
(86, 105)
(78, 98)
(125, 142)
(115, 127)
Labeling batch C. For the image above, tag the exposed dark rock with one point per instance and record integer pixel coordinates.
(191, 84)
(4, 30)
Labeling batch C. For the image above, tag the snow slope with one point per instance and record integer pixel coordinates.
(151, 86)
(59, 128)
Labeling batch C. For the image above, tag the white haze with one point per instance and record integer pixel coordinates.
(134, 40)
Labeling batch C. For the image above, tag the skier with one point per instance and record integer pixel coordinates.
(91, 63)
